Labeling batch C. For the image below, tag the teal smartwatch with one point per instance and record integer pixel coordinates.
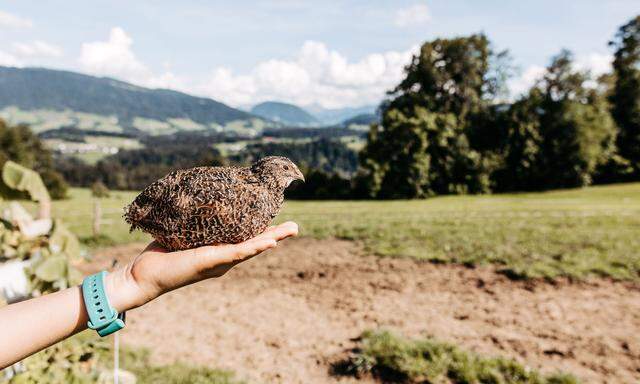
(102, 316)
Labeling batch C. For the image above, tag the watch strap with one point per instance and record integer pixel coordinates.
(102, 316)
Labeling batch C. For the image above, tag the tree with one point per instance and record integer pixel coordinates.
(320, 185)
(135, 169)
(396, 158)
(625, 98)
(419, 155)
(19, 144)
(328, 155)
(558, 134)
(616, 169)
(457, 76)
(519, 146)
(422, 145)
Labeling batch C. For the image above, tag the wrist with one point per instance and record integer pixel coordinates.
(123, 292)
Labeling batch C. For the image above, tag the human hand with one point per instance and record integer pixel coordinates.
(156, 271)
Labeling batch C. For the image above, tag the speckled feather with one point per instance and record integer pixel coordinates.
(212, 205)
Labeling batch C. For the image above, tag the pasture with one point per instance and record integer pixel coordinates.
(577, 233)
(423, 269)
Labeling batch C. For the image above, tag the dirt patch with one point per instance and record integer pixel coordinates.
(284, 316)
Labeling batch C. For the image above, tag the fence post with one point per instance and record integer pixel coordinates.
(97, 217)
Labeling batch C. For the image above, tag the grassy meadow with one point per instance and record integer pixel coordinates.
(575, 233)
(394, 359)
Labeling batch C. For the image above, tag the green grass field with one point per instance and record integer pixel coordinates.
(576, 233)
(393, 359)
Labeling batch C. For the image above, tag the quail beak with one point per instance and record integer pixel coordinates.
(300, 176)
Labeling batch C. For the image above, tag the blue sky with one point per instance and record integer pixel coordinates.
(332, 53)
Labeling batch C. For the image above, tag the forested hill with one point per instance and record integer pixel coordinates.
(288, 114)
(48, 99)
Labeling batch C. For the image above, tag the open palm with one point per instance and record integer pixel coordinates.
(156, 271)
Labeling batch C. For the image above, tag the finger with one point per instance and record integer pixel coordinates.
(260, 243)
(268, 230)
(209, 256)
(154, 246)
(279, 232)
(251, 247)
(237, 252)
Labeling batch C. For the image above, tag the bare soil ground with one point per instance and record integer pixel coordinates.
(285, 316)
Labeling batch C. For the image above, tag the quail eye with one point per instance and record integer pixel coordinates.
(286, 167)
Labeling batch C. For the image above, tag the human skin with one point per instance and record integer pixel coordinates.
(32, 325)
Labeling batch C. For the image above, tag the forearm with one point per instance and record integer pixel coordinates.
(32, 325)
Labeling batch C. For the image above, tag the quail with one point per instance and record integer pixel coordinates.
(212, 205)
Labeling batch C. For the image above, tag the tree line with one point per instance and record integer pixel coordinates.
(137, 168)
(321, 159)
(445, 131)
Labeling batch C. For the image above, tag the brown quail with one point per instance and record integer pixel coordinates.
(212, 205)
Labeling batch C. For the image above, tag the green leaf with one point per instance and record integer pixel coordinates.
(51, 269)
(11, 238)
(24, 249)
(74, 276)
(60, 284)
(19, 178)
(64, 241)
(8, 251)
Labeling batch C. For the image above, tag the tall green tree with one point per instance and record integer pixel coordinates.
(617, 168)
(421, 146)
(625, 98)
(519, 141)
(558, 134)
(454, 76)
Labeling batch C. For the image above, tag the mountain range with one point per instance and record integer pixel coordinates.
(314, 115)
(332, 116)
(48, 99)
(285, 113)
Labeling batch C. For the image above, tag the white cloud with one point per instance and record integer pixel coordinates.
(9, 20)
(166, 79)
(596, 63)
(9, 60)
(412, 15)
(115, 58)
(224, 86)
(521, 84)
(316, 75)
(37, 48)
